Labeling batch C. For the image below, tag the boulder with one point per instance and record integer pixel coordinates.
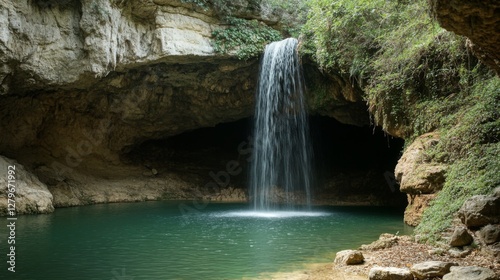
(490, 234)
(430, 269)
(389, 273)
(470, 273)
(480, 210)
(349, 257)
(460, 237)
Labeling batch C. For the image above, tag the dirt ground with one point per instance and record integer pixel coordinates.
(402, 252)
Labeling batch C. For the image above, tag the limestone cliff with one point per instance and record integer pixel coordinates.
(419, 176)
(83, 82)
(23, 192)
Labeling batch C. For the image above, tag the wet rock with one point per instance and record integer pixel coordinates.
(489, 234)
(460, 237)
(349, 257)
(389, 273)
(470, 273)
(430, 269)
(480, 210)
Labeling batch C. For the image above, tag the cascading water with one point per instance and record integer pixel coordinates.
(281, 166)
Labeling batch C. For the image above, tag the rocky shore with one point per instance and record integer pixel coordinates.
(400, 257)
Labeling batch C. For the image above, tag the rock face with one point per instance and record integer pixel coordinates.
(415, 208)
(431, 269)
(59, 41)
(349, 257)
(30, 195)
(419, 177)
(415, 172)
(83, 82)
(470, 273)
(493, 250)
(478, 20)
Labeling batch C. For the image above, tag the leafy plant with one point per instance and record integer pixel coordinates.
(246, 38)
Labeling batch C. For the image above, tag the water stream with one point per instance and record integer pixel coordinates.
(281, 166)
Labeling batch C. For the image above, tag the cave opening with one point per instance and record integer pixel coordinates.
(351, 165)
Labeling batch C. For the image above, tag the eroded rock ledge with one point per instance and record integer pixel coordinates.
(477, 20)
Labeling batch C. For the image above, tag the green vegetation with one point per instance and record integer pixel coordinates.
(417, 78)
(393, 50)
(245, 37)
(470, 145)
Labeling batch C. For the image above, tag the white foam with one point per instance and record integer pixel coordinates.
(272, 214)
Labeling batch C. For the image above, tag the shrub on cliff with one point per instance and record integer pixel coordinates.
(470, 145)
(394, 50)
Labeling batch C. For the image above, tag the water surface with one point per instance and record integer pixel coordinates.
(167, 240)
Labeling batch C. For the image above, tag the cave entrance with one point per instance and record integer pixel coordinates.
(354, 165)
(351, 165)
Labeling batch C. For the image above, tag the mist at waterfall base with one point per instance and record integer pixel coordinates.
(281, 163)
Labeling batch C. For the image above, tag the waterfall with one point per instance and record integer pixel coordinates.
(281, 162)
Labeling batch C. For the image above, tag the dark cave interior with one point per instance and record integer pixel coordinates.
(342, 153)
